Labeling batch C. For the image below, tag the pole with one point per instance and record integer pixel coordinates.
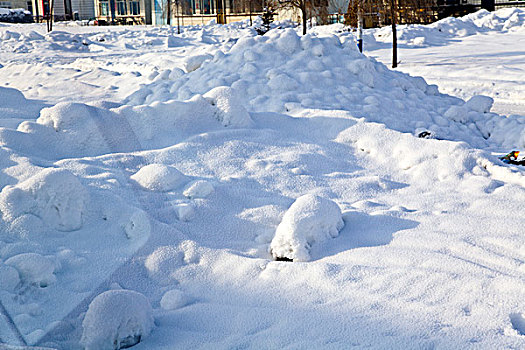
(359, 27)
(177, 14)
(394, 33)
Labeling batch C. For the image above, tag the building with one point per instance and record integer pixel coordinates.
(17, 4)
(123, 11)
(183, 12)
(63, 9)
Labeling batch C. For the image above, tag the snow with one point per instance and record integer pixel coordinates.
(54, 195)
(199, 189)
(173, 299)
(147, 175)
(10, 277)
(159, 177)
(116, 319)
(34, 268)
(310, 220)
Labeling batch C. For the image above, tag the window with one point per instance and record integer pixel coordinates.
(121, 8)
(104, 8)
(135, 8)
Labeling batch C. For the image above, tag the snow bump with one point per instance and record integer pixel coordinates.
(311, 219)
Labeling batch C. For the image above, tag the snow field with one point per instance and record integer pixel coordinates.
(478, 54)
(177, 195)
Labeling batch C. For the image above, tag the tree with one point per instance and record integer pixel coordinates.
(302, 5)
(393, 12)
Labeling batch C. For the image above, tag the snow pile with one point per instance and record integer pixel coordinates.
(283, 72)
(54, 195)
(159, 177)
(426, 161)
(116, 319)
(475, 114)
(311, 219)
(14, 107)
(230, 107)
(33, 269)
(438, 33)
(173, 299)
(199, 189)
(9, 276)
(77, 130)
(15, 16)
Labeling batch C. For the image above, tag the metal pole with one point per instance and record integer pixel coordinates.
(360, 27)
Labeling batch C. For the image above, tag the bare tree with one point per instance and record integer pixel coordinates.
(292, 5)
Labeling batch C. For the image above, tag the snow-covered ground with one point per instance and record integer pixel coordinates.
(150, 181)
(483, 55)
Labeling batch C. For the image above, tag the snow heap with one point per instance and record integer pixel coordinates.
(15, 16)
(33, 269)
(14, 107)
(282, 72)
(116, 319)
(311, 219)
(159, 177)
(230, 107)
(54, 195)
(79, 130)
(438, 33)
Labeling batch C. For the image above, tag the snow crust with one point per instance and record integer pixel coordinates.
(311, 219)
(116, 319)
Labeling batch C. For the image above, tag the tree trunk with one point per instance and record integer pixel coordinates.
(393, 11)
(168, 13)
(303, 12)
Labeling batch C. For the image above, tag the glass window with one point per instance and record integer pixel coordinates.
(104, 8)
(135, 8)
(121, 8)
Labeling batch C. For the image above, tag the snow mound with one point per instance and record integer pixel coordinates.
(173, 299)
(34, 268)
(230, 108)
(54, 195)
(164, 260)
(427, 161)
(136, 224)
(77, 130)
(199, 189)
(159, 177)
(195, 62)
(9, 276)
(116, 319)
(13, 104)
(15, 16)
(480, 103)
(184, 211)
(282, 72)
(311, 219)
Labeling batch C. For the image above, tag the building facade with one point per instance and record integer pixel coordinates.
(183, 12)
(63, 9)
